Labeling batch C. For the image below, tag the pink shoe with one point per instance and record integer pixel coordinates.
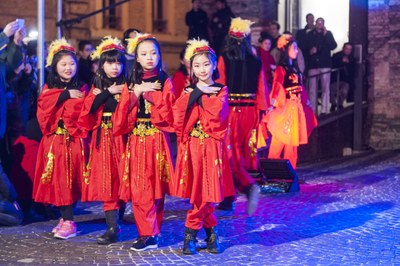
(58, 226)
(67, 230)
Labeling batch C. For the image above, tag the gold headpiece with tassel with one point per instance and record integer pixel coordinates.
(240, 28)
(107, 44)
(284, 40)
(57, 46)
(197, 46)
(133, 42)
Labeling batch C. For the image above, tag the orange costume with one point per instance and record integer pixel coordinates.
(62, 153)
(292, 120)
(146, 166)
(202, 169)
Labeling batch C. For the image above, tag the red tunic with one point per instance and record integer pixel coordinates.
(292, 120)
(102, 178)
(267, 60)
(202, 167)
(62, 154)
(180, 82)
(146, 166)
(244, 121)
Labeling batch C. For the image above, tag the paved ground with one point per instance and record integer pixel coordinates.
(347, 213)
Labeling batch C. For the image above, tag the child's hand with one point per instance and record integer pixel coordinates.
(115, 89)
(209, 90)
(96, 91)
(75, 94)
(146, 87)
(149, 86)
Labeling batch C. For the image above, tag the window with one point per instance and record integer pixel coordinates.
(159, 13)
(111, 17)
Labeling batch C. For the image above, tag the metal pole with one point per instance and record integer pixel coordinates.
(40, 47)
(357, 123)
(59, 18)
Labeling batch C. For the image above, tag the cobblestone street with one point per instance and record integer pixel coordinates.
(347, 213)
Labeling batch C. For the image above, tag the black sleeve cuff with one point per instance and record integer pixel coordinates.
(63, 97)
(99, 100)
(194, 97)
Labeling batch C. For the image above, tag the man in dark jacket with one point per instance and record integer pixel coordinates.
(340, 86)
(220, 22)
(319, 44)
(197, 21)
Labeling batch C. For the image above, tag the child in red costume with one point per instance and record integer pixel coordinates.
(145, 112)
(201, 123)
(241, 70)
(102, 180)
(62, 153)
(291, 118)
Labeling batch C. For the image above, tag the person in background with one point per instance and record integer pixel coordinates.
(84, 64)
(10, 212)
(267, 60)
(197, 21)
(319, 44)
(344, 61)
(130, 58)
(219, 25)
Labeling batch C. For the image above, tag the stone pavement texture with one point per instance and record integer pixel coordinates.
(347, 213)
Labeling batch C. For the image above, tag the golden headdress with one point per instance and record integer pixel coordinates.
(240, 28)
(107, 44)
(284, 40)
(57, 46)
(133, 42)
(196, 46)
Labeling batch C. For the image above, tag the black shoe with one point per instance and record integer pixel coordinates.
(252, 194)
(213, 245)
(144, 243)
(226, 204)
(333, 108)
(189, 241)
(109, 237)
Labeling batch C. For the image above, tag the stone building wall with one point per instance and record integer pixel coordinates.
(384, 74)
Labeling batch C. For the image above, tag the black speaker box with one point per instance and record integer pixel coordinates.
(278, 176)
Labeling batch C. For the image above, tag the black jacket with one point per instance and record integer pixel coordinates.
(324, 44)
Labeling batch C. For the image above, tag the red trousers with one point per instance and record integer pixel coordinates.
(110, 205)
(148, 215)
(201, 215)
(289, 152)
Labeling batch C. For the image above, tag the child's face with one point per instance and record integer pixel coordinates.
(113, 69)
(148, 55)
(266, 45)
(203, 68)
(66, 68)
(293, 51)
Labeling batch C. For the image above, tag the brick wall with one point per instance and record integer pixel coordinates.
(384, 75)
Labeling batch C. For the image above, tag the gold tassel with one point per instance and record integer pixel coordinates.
(48, 170)
(253, 143)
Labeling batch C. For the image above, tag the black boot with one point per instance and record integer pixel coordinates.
(189, 241)
(226, 204)
(112, 233)
(213, 245)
